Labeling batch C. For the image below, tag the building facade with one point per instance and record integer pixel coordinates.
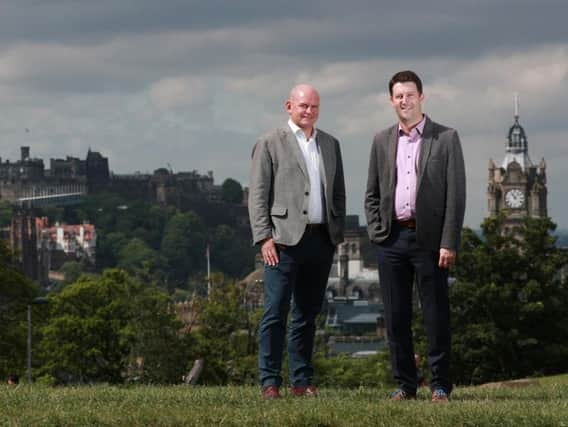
(73, 241)
(517, 187)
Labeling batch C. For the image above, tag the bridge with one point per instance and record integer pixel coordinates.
(42, 195)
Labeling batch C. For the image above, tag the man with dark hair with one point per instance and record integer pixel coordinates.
(415, 204)
(297, 216)
(406, 77)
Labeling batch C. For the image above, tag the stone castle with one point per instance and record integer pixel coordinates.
(27, 184)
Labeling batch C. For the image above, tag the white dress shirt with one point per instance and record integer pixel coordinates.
(311, 156)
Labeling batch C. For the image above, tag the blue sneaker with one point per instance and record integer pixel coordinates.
(400, 394)
(440, 396)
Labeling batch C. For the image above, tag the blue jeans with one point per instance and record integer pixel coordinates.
(401, 259)
(300, 279)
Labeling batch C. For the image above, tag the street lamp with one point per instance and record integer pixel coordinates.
(35, 301)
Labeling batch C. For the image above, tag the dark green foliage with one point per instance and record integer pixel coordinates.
(16, 292)
(346, 372)
(230, 253)
(109, 329)
(183, 246)
(232, 191)
(136, 255)
(509, 316)
(71, 270)
(163, 242)
(226, 337)
(6, 212)
(108, 247)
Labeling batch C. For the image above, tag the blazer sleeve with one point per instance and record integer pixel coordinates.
(339, 185)
(373, 196)
(455, 196)
(261, 177)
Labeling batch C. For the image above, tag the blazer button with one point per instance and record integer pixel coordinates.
(307, 193)
(305, 212)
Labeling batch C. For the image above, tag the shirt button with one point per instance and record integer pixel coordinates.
(305, 212)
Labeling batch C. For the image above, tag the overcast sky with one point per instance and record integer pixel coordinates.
(191, 84)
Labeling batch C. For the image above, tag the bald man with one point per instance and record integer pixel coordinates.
(297, 216)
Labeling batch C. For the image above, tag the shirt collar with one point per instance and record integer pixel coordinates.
(295, 128)
(419, 127)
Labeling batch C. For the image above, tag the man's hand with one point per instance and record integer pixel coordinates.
(447, 258)
(269, 252)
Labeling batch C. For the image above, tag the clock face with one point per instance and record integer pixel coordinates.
(515, 198)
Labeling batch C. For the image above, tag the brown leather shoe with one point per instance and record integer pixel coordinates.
(400, 394)
(301, 391)
(439, 396)
(270, 392)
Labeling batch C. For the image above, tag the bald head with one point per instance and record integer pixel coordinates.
(303, 90)
(303, 107)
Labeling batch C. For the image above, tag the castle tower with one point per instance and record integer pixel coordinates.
(517, 188)
(97, 169)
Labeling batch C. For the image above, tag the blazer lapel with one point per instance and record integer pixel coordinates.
(293, 143)
(425, 147)
(391, 156)
(327, 160)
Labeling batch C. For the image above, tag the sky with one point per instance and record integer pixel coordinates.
(191, 84)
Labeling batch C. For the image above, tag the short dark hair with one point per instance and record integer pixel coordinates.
(403, 77)
(13, 379)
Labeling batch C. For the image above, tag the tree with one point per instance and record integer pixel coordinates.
(16, 292)
(103, 329)
(508, 307)
(232, 191)
(71, 271)
(183, 246)
(230, 253)
(6, 212)
(224, 336)
(108, 249)
(136, 256)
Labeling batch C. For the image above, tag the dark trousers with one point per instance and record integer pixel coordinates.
(401, 260)
(300, 279)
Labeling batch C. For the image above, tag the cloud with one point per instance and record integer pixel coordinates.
(193, 83)
(177, 92)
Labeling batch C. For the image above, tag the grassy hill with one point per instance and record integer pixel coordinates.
(541, 404)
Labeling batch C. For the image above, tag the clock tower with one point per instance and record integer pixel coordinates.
(517, 187)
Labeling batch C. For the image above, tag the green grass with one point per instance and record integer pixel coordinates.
(556, 379)
(545, 404)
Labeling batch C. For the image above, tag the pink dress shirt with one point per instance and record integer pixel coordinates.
(407, 157)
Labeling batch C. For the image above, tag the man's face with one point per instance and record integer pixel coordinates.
(407, 102)
(303, 108)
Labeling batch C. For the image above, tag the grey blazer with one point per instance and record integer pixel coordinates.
(279, 188)
(440, 192)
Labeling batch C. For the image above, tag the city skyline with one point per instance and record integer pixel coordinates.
(192, 84)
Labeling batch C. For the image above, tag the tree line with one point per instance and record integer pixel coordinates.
(163, 244)
(119, 323)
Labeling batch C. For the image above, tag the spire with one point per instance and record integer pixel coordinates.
(517, 145)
